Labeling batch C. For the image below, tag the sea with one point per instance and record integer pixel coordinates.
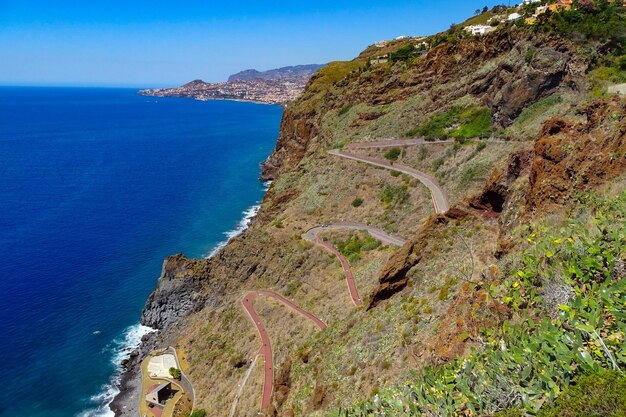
(97, 188)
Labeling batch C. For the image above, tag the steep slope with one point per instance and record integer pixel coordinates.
(427, 302)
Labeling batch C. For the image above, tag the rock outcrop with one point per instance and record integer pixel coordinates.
(179, 292)
(504, 70)
(572, 157)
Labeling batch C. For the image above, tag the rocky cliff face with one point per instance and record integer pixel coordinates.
(505, 71)
(572, 157)
(179, 292)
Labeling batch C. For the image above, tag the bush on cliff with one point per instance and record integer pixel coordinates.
(458, 123)
(353, 247)
(566, 290)
(406, 53)
(589, 20)
(176, 373)
(393, 154)
(601, 394)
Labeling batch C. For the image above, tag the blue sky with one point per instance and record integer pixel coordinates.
(165, 43)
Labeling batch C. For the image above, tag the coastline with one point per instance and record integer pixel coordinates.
(128, 378)
(282, 105)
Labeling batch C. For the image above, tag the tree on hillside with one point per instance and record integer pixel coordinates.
(477, 12)
(176, 373)
(485, 9)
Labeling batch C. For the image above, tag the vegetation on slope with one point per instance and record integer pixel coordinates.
(461, 124)
(568, 293)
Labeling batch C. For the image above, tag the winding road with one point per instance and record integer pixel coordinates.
(313, 236)
(266, 347)
(440, 204)
(248, 301)
(438, 195)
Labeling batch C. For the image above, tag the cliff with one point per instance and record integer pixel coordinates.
(547, 140)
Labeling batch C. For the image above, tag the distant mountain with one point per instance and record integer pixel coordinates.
(279, 74)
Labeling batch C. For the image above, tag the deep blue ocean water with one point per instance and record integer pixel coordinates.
(97, 187)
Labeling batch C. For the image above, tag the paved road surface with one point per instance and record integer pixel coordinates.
(439, 197)
(266, 348)
(375, 232)
(313, 236)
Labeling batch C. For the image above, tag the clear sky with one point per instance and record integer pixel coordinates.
(166, 43)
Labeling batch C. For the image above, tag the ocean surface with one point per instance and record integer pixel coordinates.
(97, 187)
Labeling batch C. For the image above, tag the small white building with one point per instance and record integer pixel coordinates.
(514, 16)
(382, 44)
(379, 60)
(477, 30)
(526, 2)
(399, 38)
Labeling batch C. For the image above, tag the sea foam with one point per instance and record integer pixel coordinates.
(248, 215)
(120, 349)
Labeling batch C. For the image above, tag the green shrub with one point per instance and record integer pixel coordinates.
(394, 196)
(600, 21)
(538, 108)
(545, 359)
(437, 163)
(601, 394)
(516, 412)
(176, 373)
(277, 224)
(353, 247)
(357, 202)
(481, 146)
(393, 154)
(405, 53)
(198, 413)
(474, 123)
(344, 110)
(458, 123)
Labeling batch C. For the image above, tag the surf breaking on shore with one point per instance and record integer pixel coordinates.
(248, 215)
(130, 340)
(120, 348)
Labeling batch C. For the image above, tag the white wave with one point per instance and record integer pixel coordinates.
(121, 349)
(243, 224)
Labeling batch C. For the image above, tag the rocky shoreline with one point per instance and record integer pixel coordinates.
(178, 293)
(126, 402)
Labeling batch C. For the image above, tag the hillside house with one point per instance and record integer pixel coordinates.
(477, 30)
(159, 395)
(380, 60)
